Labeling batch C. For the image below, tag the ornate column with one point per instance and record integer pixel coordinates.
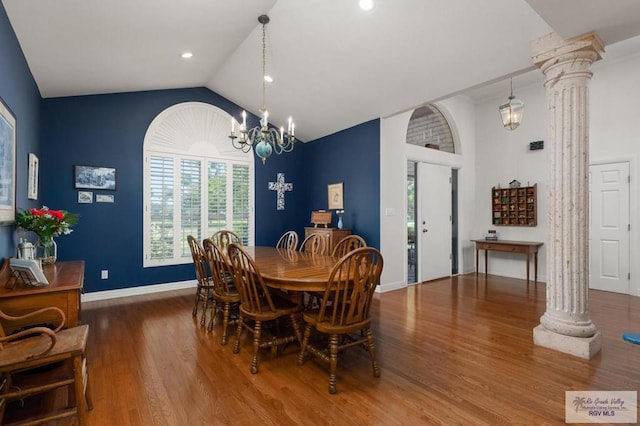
(566, 325)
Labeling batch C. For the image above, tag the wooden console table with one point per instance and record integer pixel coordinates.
(525, 247)
(65, 286)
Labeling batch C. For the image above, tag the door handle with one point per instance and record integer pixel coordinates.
(424, 231)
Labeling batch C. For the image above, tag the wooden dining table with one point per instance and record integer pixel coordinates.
(292, 270)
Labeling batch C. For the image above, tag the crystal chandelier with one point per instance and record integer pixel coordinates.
(265, 140)
(512, 111)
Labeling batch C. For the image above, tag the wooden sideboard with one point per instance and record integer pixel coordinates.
(65, 287)
(527, 248)
(334, 235)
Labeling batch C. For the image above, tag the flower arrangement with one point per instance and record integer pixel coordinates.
(47, 223)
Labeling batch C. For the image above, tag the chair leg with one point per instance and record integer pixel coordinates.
(236, 345)
(372, 353)
(79, 389)
(196, 303)
(205, 304)
(303, 345)
(226, 312)
(333, 362)
(257, 331)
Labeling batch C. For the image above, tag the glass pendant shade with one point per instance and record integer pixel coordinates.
(512, 113)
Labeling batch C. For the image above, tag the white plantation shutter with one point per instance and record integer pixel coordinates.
(193, 183)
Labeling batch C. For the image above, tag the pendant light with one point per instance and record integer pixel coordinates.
(512, 111)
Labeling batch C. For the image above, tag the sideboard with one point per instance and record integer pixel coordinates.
(65, 287)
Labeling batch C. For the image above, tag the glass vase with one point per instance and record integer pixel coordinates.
(47, 250)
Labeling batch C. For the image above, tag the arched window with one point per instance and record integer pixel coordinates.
(429, 128)
(195, 182)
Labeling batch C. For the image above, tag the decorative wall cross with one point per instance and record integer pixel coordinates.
(280, 186)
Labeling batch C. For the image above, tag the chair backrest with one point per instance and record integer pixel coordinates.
(199, 260)
(221, 271)
(225, 237)
(288, 241)
(347, 244)
(315, 243)
(248, 282)
(353, 280)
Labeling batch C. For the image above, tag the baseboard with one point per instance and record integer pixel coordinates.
(383, 288)
(136, 291)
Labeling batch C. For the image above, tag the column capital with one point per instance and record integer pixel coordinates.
(552, 46)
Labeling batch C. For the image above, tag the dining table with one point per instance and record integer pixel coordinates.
(292, 270)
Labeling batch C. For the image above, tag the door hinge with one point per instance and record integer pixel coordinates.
(629, 275)
(629, 178)
(629, 227)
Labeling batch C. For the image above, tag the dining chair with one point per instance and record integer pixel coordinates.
(344, 313)
(204, 290)
(225, 237)
(258, 308)
(40, 360)
(288, 241)
(225, 293)
(347, 244)
(315, 243)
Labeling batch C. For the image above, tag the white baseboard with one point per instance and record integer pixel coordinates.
(383, 288)
(135, 291)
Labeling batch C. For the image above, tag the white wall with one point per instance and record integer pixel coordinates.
(503, 155)
(488, 155)
(394, 153)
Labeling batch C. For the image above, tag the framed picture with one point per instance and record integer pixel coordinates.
(7, 165)
(335, 196)
(93, 177)
(85, 197)
(32, 184)
(104, 198)
(29, 271)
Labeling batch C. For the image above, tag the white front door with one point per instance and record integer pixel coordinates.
(609, 227)
(434, 225)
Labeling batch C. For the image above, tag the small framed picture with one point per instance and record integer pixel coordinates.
(335, 196)
(93, 177)
(104, 198)
(85, 197)
(32, 181)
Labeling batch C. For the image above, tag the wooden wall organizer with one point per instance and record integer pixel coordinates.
(515, 206)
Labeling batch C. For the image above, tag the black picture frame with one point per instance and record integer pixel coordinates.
(94, 177)
(8, 137)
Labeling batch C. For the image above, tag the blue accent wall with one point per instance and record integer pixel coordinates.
(108, 130)
(20, 93)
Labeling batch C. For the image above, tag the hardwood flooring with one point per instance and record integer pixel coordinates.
(451, 351)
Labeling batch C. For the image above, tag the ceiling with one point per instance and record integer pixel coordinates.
(334, 65)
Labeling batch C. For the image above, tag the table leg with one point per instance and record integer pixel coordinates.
(477, 264)
(535, 271)
(528, 261)
(486, 262)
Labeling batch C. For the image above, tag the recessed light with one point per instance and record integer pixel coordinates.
(366, 5)
(186, 55)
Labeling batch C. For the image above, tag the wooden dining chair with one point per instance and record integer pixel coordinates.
(348, 244)
(288, 241)
(204, 290)
(315, 243)
(225, 237)
(41, 360)
(344, 313)
(258, 307)
(225, 293)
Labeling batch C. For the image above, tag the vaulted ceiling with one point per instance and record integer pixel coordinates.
(334, 65)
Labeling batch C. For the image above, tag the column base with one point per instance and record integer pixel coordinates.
(583, 347)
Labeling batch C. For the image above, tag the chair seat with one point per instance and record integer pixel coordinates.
(282, 307)
(311, 317)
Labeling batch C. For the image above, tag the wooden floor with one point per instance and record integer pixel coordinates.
(452, 351)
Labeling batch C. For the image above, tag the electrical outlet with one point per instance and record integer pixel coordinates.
(105, 274)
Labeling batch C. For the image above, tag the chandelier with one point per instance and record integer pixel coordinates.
(265, 140)
(512, 111)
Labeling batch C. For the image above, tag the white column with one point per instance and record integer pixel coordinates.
(566, 326)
